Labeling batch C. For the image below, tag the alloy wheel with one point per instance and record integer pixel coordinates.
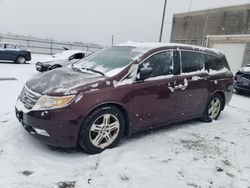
(21, 60)
(214, 108)
(104, 130)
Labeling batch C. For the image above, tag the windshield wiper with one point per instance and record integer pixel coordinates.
(93, 70)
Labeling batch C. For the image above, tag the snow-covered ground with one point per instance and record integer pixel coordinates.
(190, 154)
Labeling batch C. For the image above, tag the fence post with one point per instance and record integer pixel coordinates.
(51, 48)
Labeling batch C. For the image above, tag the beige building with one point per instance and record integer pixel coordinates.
(226, 29)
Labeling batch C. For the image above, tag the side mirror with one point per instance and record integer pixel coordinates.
(145, 73)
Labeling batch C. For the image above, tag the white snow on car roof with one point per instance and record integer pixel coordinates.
(152, 45)
(70, 51)
(246, 69)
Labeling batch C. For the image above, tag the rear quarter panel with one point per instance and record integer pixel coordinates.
(221, 82)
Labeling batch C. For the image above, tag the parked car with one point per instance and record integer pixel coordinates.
(61, 59)
(123, 90)
(242, 80)
(10, 52)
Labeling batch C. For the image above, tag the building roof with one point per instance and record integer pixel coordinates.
(214, 10)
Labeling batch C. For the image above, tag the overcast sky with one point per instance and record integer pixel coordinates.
(95, 21)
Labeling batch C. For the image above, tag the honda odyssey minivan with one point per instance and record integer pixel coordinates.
(122, 90)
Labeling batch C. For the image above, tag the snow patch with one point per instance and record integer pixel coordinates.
(95, 85)
(213, 72)
(151, 45)
(115, 83)
(195, 78)
(108, 83)
(78, 98)
(245, 69)
(43, 114)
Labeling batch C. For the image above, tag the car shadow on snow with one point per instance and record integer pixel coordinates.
(72, 150)
(158, 130)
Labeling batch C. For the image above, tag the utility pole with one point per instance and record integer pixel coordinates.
(112, 40)
(163, 18)
(190, 5)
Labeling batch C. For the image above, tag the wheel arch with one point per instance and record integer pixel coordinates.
(117, 105)
(19, 55)
(56, 65)
(222, 94)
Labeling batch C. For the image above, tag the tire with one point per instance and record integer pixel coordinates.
(20, 60)
(39, 70)
(97, 134)
(213, 108)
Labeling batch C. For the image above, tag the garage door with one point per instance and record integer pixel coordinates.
(234, 53)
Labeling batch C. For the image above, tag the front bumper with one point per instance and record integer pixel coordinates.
(42, 67)
(57, 128)
(244, 86)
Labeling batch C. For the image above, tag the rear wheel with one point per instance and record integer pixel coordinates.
(20, 60)
(102, 129)
(213, 108)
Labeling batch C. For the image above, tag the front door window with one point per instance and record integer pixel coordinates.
(160, 63)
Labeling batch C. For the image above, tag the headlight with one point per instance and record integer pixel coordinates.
(48, 103)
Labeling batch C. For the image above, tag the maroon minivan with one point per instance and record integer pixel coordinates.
(122, 90)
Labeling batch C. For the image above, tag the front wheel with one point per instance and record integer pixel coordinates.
(213, 108)
(102, 129)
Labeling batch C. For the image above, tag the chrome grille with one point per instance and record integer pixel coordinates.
(28, 98)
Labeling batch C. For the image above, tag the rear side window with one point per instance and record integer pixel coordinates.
(192, 61)
(214, 63)
(161, 63)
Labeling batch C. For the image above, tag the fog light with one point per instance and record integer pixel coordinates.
(41, 132)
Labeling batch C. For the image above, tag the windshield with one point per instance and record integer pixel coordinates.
(109, 61)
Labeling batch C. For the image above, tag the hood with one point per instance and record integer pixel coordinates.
(63, 81)
(47, 59)
(52, 59)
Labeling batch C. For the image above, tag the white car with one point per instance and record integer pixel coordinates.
(62, 59)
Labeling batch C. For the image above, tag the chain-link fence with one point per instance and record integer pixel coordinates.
(47, 46)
